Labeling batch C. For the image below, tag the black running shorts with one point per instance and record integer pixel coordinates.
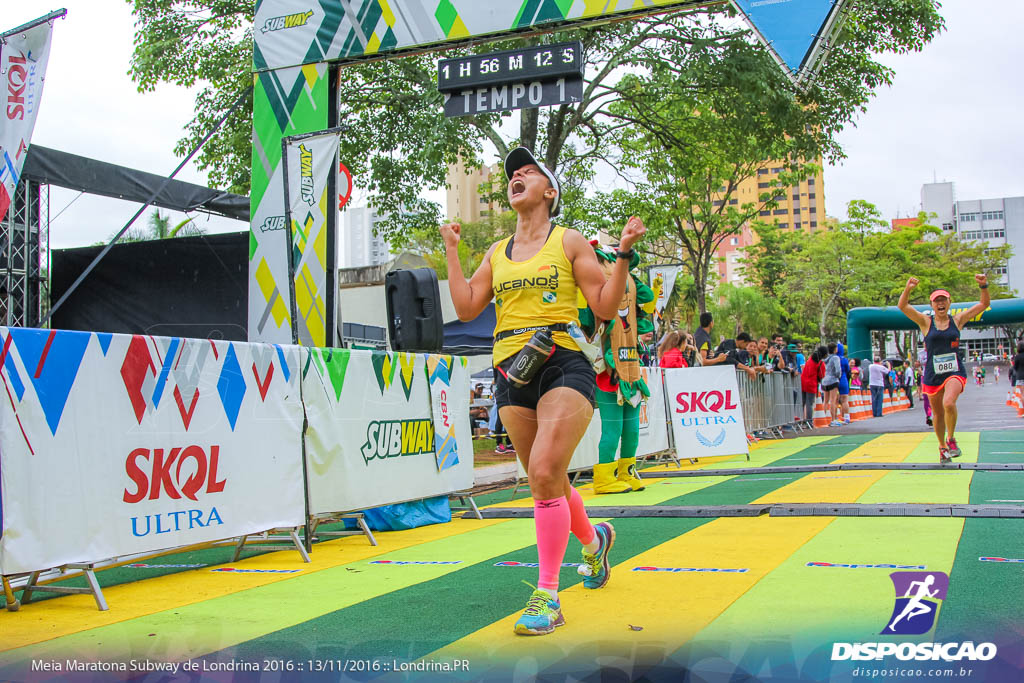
(829, 387)
(565, 368)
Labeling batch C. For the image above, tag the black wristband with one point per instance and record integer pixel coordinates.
(625, 254)
(985, 286)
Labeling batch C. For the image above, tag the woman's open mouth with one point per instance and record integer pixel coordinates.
(517, 187)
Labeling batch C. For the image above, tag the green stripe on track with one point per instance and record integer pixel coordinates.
(985, 598)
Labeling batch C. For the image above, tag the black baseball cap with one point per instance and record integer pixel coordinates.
(520, 157)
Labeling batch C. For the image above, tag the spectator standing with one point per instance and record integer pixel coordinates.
(908, 384)
(830, 384)
(702, 339)
(1018, 366)
(809, 377)
(746, 354)
(689, 347)
(798, 357)
(671, 356)
(876, 382)
(844, 384)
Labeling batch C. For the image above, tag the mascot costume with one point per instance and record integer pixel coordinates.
(620, 385)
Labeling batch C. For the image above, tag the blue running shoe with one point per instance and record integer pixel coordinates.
(595, 568)
(541, 616)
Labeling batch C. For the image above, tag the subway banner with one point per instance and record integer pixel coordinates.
(23, 58)
(294, 32)
(371, 435)
(309, 164)
(116, 444)
(704, 406)
(286, 102)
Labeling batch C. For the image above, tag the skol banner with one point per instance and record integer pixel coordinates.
(23, 58)
(118, 444)
(704, 406)
(371, 435)
(309, 163)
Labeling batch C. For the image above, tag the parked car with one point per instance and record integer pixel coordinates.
(989, 358)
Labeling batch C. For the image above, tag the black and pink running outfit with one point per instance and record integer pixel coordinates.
(942, 343)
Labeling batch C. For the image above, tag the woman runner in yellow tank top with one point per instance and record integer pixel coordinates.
(533, 276)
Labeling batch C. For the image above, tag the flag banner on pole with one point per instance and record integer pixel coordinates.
(310, 163)
(668, 277)
(23, 58)
(706, 411)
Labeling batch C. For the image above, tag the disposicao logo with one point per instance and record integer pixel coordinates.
(918, 597)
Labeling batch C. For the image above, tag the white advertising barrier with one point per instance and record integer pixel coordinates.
(371, 435)
(653, 428)
(707, 418)
(114, 444)
(653, 425)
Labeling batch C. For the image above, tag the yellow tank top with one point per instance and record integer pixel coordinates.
(531, 293)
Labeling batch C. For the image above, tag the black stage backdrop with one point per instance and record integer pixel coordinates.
(180, 287)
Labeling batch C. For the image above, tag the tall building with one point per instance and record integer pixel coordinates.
(801, 207)
(362, 246)
(995, 222)
(465, 203)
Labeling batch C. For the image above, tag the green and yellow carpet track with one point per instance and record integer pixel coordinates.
(433, 599)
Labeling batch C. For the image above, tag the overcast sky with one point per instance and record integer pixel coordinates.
(952, 113)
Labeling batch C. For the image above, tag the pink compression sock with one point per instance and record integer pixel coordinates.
(551, 518)
(580, 524)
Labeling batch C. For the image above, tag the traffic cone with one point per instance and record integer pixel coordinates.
(821, 418)
(1020, 402)
(1009, 397)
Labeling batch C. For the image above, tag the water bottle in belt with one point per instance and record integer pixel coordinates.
(529, 359)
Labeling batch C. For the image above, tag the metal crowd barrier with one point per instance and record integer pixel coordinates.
(771, 402)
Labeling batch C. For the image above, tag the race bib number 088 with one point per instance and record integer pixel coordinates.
(945, 363)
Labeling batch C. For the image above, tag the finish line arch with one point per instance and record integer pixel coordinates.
(861, 321)
(298, 47)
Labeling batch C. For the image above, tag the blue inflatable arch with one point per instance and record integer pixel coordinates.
(861, 321)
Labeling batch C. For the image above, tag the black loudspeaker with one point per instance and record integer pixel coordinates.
(413, 301)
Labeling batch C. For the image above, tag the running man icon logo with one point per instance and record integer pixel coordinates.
(918, 597)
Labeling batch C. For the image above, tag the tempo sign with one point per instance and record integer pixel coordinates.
(537, 76)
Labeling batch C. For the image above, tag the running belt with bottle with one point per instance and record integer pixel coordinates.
(944, 359)
(539, 292)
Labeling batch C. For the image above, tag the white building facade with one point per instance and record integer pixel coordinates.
(362, 246)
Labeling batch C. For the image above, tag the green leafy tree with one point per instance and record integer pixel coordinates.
(747, 308)
(206, 43)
